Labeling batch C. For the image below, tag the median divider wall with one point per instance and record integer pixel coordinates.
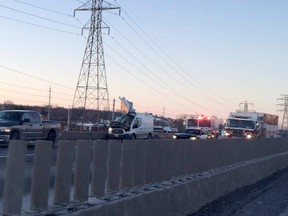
(142, 177)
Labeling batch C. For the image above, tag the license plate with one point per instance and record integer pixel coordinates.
(116, 135)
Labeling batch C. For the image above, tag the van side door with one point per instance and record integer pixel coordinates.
(137, 128)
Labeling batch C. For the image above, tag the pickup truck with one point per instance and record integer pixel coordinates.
(26, 125)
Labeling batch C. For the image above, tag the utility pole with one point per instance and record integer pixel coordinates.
(284, 98)
(49, 104)
(246, 105)
(92, 90)
(113, 109)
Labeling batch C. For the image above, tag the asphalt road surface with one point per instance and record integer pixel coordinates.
(268, 197)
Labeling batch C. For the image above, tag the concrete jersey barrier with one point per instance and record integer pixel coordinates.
(138, 177)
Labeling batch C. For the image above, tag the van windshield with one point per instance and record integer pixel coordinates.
(126, 118)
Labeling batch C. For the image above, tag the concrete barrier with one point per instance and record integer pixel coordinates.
(99, 168)
(142, 177)
(63, 178)
(186, 195)
(82, 170)
(41, 175)
(14, 181)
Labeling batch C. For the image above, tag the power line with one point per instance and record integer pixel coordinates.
(35, 89)
(42, 8)
(169, 64)
(34, 77)
(169, 57)
(40, 26)
(43, 18)
(167, 86)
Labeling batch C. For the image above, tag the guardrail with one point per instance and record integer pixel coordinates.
(137, 177)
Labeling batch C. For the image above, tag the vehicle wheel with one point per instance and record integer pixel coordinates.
(52, 137)
(133, 137)
(149, 136)
(15, 136)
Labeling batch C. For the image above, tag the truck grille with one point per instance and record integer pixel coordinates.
(117, 131)
(237, 133)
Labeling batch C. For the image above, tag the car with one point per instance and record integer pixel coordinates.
(192, 134)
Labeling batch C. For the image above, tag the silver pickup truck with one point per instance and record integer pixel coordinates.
(26, 125)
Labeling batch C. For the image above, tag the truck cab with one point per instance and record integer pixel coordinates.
(251, 125)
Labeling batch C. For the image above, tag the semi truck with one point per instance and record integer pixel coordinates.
(26, 125)
(131, 125)
(251, 125)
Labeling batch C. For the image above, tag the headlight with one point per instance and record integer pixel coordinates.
(174, 137)
(226, 133)
(5, 129)
(193, 138)
(110, 130)
(248, 135)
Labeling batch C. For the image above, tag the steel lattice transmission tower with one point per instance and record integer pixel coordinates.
(92, 90)
(246, 106)
(284, 98)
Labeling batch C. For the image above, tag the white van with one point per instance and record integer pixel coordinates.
(132, 125)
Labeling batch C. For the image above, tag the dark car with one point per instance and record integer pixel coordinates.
(192, 134)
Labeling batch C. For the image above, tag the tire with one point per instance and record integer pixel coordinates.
(52, 137)
(133, 137)
(149, 136)
(15, 136)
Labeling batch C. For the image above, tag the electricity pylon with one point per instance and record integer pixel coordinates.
(92, 90)
(284, 97)
(246, 106)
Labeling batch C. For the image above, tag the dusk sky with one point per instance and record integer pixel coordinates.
(171, 57)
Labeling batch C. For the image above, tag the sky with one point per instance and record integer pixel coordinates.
(170, 58)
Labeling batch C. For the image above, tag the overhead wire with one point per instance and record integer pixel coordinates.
(50, 28)
(145, 83)
(40, 26)
(160, 81)
(167, 86)
(39, 17)
(42, 8)
(49, 10)
(35, 77)
(170, 59)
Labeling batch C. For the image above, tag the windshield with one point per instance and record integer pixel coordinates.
(10, 116)
(192, 131)
(192, 123)
(238, 123)
(126, 118)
